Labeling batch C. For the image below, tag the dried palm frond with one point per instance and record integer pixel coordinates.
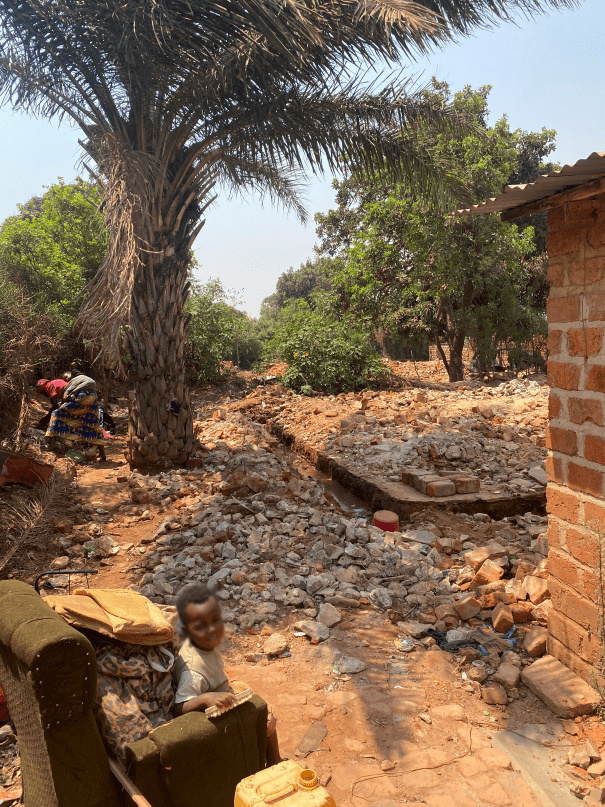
(174, 95)
(22, 511)
(106, 310)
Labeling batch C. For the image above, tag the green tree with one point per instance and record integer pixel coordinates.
(176, 98)
(323, 354)
(54, 246)
(299, 284)
(412, 269)
(532, 149)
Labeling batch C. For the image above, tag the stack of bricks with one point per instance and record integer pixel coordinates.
(576, 434)
(438, 485)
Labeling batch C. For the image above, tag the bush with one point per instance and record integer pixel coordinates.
(53, 247)
(325, 356)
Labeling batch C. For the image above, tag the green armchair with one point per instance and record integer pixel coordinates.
(48, 674)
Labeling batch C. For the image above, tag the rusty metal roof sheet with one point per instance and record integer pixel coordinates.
(545, 187)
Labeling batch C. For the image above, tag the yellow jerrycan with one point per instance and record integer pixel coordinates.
(283, 785)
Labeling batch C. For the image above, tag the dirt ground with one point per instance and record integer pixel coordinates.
(409, 728)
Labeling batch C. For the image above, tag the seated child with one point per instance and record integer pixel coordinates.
(200, 678)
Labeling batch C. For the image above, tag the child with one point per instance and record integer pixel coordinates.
(200, 678)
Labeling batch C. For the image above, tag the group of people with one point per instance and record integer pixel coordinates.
(75, 412)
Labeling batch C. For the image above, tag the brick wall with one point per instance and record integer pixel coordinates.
(434, 355)
(576, 434)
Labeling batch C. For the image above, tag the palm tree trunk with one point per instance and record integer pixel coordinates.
(160, 425)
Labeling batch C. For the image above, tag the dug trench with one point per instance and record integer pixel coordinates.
(330, 619)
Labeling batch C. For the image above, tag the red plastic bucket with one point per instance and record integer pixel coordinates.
(386, 520)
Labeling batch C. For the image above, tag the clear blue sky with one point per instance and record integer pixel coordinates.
(544, 72)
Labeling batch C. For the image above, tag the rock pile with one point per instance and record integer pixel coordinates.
(493, 434)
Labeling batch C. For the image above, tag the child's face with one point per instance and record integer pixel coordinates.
(204, 625)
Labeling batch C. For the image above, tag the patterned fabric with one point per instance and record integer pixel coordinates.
(134, 692)
(78, 419)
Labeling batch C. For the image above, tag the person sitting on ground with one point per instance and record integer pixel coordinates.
(198, 670)
(53, 390)
(78, 416)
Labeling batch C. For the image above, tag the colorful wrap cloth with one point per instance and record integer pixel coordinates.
(120, 613)
(134, 692)
(78, 419)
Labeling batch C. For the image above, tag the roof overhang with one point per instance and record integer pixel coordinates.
(581, 180)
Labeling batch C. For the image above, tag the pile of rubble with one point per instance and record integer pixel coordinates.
(496, 435)
(274, 548)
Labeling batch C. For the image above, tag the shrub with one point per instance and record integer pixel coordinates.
(324, 355)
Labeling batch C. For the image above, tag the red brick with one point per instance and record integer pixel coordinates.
(554, 470)
(554, 342)
(578, 608)
(586, 210)
(584, 409)
(564, 309)
(563, 504)
(591, 585)
(596, 378)
(594, 516)
(587, 272)
(564, 242)
(556, 219)
(596, 307)
(585, 341)
(553, 533)
(556, 274)
(583, 545)
(554, 405)
(563, 440)
(594, 449)
(595, 235)
(577, 639)
(562, 566)
(585, 479)
(557, 650)
(564, 376)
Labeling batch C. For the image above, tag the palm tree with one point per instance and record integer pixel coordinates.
(178, 97)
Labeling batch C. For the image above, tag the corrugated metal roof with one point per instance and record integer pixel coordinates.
(545, 187)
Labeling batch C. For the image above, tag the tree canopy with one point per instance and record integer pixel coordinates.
(54, 246)
(176, 98)
(407, 267)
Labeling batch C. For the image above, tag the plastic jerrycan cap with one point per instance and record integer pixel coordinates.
(307, 779)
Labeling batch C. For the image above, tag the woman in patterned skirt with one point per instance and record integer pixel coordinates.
(79, 416)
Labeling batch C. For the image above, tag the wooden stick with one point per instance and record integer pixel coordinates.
(127, 783)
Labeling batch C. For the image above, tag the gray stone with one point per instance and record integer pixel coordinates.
(348, 665)
(312, 629)
(329, 615)
(419, 536)
(381, 598)
(275, 645)
(6, 736)
(414, 629)
(565, 693)
(494, 694)
(228, 551)
(314, 584)
(508, 675)
(539, 474)
(578, 756)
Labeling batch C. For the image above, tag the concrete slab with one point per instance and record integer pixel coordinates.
(565, 693)
(403, 499)
(539, 764)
